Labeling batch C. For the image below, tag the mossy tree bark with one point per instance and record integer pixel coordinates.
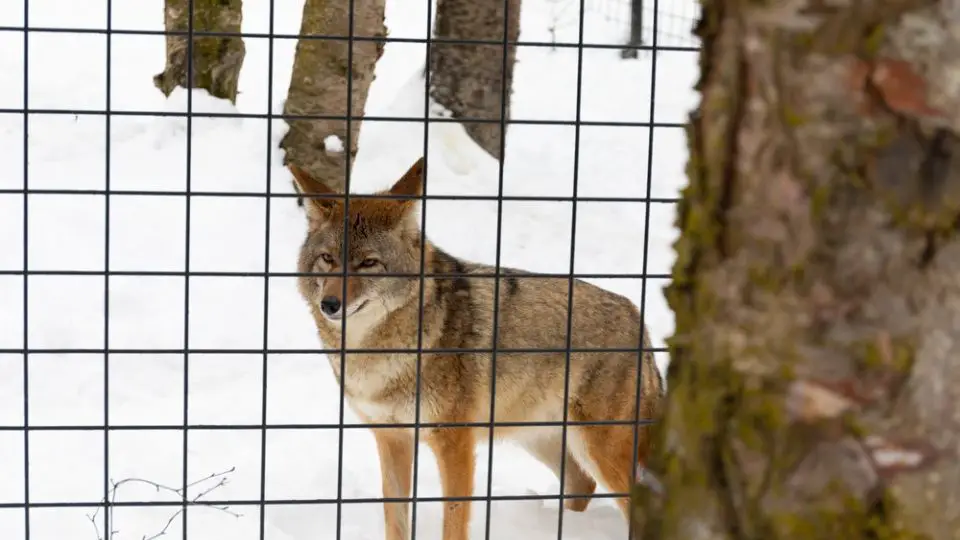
(815, 380)
(318, 86)
(468, 80)
(216, 60)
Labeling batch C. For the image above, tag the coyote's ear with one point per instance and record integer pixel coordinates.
(317, 208)
(411, 183)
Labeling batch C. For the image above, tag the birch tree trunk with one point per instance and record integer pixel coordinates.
(318, 86)
(815, 372)
(467, 80)
(216, 60)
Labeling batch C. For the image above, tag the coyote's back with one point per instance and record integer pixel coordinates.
(532, 370)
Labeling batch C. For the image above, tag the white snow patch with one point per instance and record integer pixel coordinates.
(332, 144)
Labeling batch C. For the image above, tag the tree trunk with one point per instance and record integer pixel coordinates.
(216, 60)
(815, 380)
(318, 86)
(467, 80)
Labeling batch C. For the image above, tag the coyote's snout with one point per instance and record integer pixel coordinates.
(379, 307)
(334, 305)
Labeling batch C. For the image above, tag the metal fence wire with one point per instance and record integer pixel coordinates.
(672, 22)
(655, 37)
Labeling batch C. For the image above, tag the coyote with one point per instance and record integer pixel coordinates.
(383, 312)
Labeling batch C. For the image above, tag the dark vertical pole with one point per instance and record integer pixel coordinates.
(636, 30)
(265, 370)
(186, 269)
(418, 389)
(26, 266)
(351, 12)
(570, 284)
(646, 257)
(107, 525)
(504, 103)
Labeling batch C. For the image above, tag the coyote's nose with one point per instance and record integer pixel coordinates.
(330, 305)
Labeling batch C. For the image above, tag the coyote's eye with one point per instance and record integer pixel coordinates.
(327, 258)
(369, 262)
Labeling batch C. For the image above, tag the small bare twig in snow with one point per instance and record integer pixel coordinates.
(221, 480)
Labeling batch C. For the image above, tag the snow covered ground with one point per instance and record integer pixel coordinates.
(66, 233)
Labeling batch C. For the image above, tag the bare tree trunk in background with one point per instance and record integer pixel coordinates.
(467, 80)
(815, 374)
(216, 60)
(318, 86)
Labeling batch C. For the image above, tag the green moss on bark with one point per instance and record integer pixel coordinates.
(894, 354)
(853, 521)
(216, 60)
(753, 307)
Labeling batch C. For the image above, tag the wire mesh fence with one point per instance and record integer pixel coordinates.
(634, 18)
(479, 343)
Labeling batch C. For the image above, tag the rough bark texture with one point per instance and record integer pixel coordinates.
(467, 80)
(318, 85)
(216, 60)
(814, 382)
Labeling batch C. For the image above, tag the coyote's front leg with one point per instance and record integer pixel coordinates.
(396, 468)
(454, 449)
